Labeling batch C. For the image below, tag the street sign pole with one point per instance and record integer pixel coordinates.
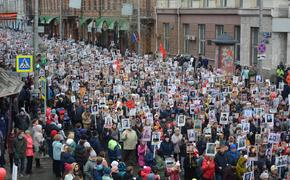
(260, 37)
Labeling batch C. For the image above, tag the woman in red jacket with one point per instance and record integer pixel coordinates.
(29, 151)
(208, 168)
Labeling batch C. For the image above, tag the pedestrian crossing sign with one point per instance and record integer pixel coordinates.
(24, 63)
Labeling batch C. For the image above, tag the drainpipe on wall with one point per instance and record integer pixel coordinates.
(156, 29)
(178, 28)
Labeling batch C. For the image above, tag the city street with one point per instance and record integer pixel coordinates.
(145, 89)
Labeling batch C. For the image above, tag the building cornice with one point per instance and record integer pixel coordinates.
(213, 11)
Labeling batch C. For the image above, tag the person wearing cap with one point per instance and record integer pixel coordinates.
(233, 155)
(274, 175)
(89, 166)
(68, 169)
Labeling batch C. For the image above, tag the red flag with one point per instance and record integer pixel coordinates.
(162, 50)
(130, 104)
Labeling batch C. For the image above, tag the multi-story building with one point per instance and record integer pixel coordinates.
(101, 21)
(12, 14)
(191, 26)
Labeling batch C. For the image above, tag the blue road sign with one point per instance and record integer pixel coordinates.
(24, 63)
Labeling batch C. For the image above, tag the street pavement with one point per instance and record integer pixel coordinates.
(44, 173)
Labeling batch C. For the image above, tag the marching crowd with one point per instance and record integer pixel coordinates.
(113, 116)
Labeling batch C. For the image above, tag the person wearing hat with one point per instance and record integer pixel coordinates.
(241, 167)
(37, 143)
(274, 175)
(89, 166)
(19, 149)
(264, 175)
(221, 162)
(233, 155)
(22, 120)
(68, 168)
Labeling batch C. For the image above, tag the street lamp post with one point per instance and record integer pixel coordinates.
(139, 29)
(35, 48)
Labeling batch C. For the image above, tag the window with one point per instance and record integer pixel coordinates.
(254, 44)
(205, 3)
(258, 3)
(224, 3)
(95, 5)
(237, 45)
(241, 3)
(201, 35)
(185, 38)
(166, 36)
(219, 30)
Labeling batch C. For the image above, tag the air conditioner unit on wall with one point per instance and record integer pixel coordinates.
(190, 37)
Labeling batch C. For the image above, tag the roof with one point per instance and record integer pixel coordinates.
(224, 39)
(9, 84)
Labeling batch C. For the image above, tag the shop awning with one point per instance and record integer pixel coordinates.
(83, 20)
(47, 19)
(123, 25)
(99, 22)
(9, 84)
(111, 23)
(8, 16)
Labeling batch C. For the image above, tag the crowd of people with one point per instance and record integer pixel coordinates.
(113, 116)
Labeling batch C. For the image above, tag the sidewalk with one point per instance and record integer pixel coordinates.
(45, 173)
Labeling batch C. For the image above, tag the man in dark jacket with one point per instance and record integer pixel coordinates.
(221, 162)
(166, 146)
(22, 120)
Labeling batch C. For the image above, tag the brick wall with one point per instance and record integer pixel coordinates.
(210, 21)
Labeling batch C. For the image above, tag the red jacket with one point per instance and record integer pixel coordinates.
(208, 168)
(29, 145)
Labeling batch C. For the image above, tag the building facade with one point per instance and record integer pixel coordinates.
(191, 26)
(102, 22)
(12, 14)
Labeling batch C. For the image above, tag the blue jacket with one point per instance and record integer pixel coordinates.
(98, 172)
(233, 157)
(56, 145)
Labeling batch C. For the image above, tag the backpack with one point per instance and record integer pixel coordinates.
(98, 172)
